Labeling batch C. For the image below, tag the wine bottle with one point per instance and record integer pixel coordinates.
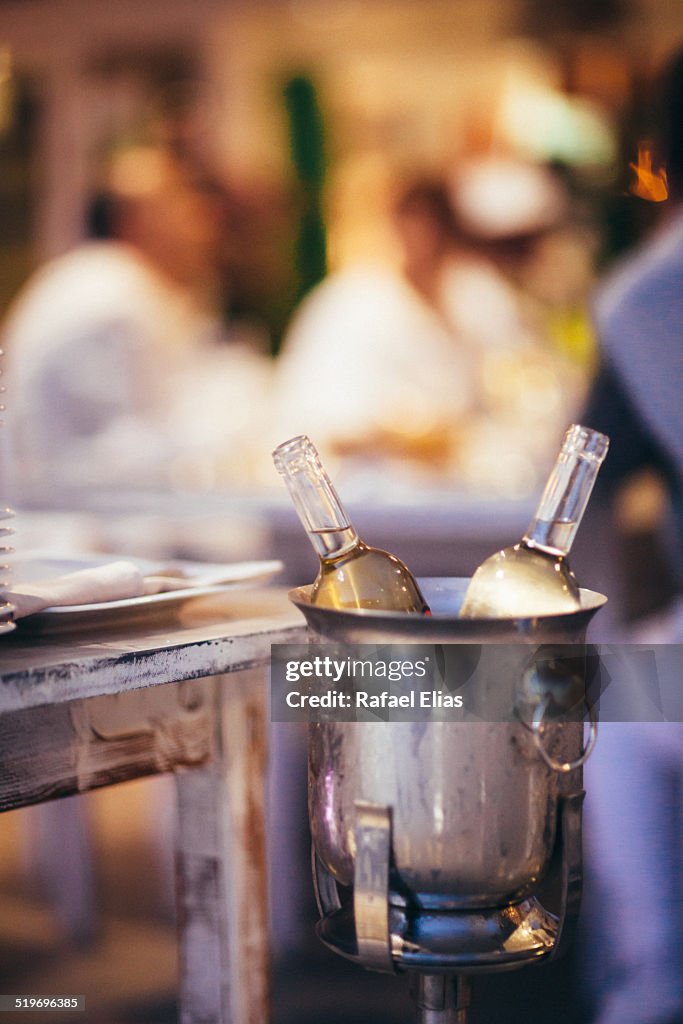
(533, 577)
(352, 574)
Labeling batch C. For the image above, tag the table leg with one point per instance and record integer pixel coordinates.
(221, 864)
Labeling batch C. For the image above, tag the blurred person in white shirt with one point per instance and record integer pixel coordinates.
(421, 364)
(113, 345)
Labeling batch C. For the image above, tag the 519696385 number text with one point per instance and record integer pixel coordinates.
(35, 1002)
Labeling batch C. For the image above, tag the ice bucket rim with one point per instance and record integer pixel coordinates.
(438, 622)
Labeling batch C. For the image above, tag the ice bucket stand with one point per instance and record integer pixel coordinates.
(373, 889)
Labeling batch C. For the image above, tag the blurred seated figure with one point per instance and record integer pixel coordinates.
(428, 363)
(358, 365)
(115, 364)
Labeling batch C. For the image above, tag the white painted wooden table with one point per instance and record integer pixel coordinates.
(84, 710)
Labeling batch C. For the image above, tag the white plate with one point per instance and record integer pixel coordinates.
(105, 613)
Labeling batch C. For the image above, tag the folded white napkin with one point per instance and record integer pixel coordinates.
(111, 582)
(117, 581)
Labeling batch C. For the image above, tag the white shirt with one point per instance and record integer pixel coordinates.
(365, 352)
(106, 359)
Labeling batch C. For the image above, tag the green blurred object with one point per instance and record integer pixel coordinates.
(307, 151)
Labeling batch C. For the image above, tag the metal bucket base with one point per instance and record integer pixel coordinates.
(494, 939)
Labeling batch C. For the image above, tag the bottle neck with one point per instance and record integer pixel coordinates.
(567, 491)
(317, 503)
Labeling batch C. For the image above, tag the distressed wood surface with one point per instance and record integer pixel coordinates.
(81, 712)
(221, 865)
(80, 745)
(212, 635)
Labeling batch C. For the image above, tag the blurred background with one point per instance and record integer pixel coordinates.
(379, 222)
(302, 122)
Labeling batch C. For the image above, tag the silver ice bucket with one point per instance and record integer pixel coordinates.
(444, 846)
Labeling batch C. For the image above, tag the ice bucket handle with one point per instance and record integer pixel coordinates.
(538, 725)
